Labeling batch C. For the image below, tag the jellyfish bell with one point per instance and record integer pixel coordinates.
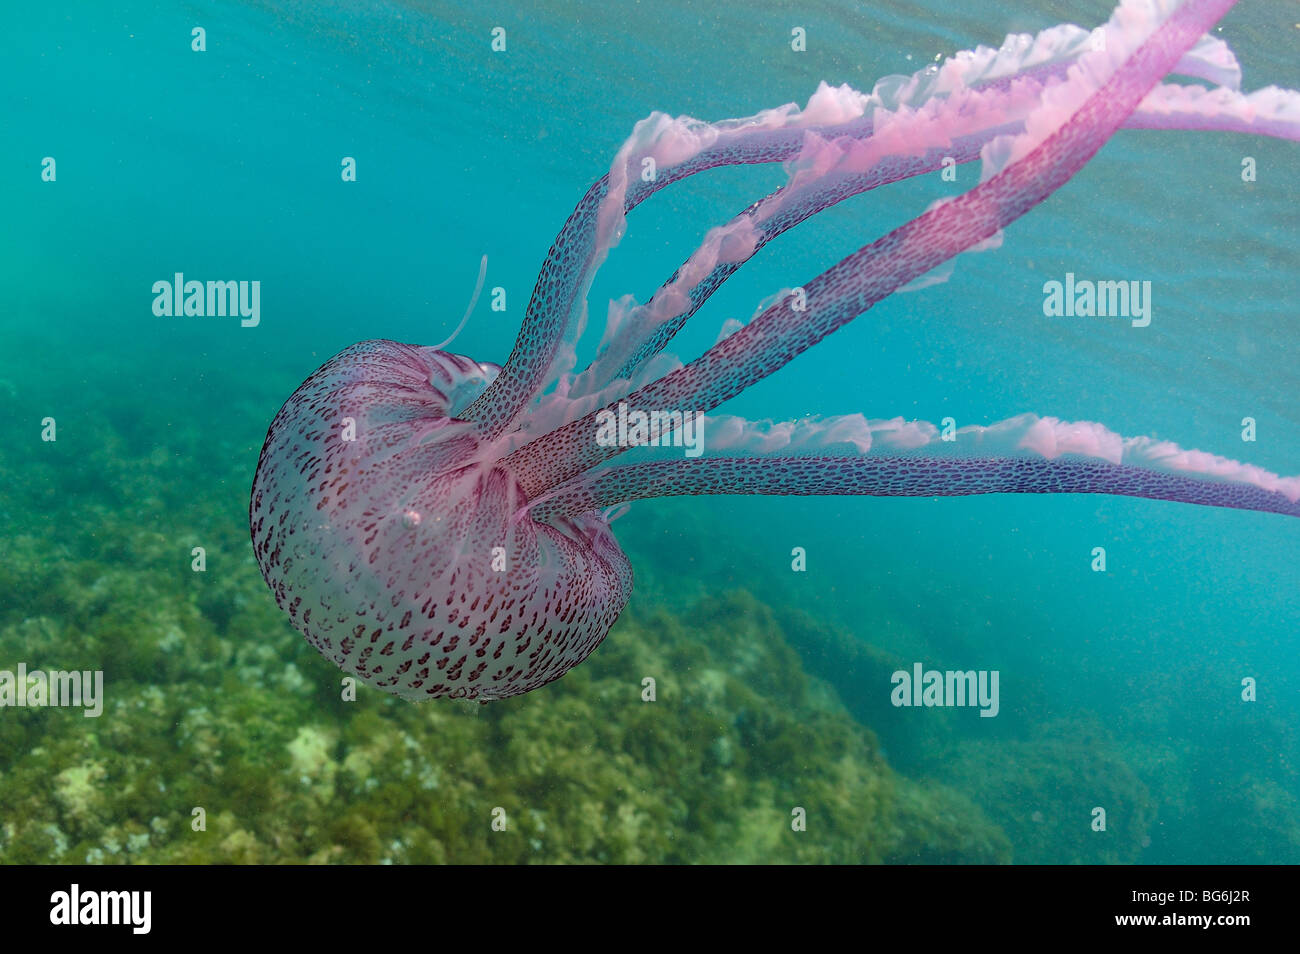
(402, 555)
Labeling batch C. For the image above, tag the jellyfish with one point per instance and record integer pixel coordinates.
(439, 526)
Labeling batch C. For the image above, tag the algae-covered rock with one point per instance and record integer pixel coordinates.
(311, 759)
(78, 790)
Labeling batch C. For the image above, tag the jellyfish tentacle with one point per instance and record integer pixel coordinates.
(1269, 111)
(683, 147)
(932, 107)
(901, 476)
(829, 191)
(1064, 133)
(820, 453)
(560, 291)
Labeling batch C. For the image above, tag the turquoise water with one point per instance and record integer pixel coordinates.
(1119, 689)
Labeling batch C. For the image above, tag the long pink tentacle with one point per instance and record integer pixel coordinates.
(850, 288)
(897, 477)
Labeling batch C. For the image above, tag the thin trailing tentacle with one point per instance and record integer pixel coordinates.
(898, 477)
(469, 310)
(1074, 120)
